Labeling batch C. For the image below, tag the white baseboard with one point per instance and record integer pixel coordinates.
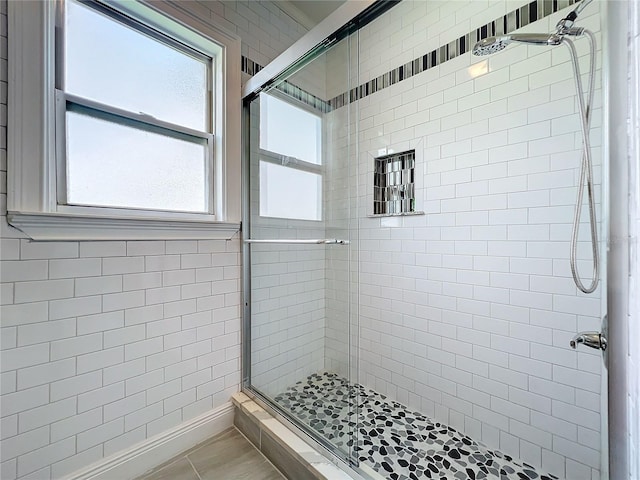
(144, 456)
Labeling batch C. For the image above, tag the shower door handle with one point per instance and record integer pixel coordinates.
(297, 241)
(590, 339)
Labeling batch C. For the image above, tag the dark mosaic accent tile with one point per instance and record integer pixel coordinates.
(533, 12)
(249, 66)
(398, 443)
(304, 97)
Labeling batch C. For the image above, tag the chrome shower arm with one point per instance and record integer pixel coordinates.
(564, 26)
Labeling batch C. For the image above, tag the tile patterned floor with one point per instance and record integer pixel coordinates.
(396, 442)
(226, 456)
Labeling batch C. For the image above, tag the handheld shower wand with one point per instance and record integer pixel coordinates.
(564, 29)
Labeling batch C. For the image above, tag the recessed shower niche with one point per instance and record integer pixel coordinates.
(393, 184)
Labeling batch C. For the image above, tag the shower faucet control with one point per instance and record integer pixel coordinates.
(590, 339)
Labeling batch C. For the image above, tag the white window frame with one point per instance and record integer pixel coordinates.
(293, 162)
(33, 200)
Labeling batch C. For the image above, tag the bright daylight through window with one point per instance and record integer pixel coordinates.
(290, 160)
(123, 122)
(137, 116)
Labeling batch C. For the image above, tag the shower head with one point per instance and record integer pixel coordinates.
(490, 45)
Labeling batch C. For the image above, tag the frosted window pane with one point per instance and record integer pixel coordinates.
(113, 64)
(289, 193)
(289, 130)
(114, 165)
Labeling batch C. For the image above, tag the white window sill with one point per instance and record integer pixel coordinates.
(60, 226)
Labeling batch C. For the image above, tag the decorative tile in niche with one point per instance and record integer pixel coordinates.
(393, 184)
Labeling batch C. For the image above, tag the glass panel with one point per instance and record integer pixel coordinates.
(114, 165)
(289, 130)
(113, 64)
(450, 330)
(289, 193)
(302, 314)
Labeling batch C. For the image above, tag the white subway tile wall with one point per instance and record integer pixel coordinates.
(466, 313)
(105, 344)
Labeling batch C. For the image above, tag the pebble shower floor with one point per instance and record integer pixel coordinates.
(396, 442)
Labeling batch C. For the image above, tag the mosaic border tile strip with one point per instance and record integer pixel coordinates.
(394, 441)
(307, 98)
(513, 20)
(505, 24)
(251, 68)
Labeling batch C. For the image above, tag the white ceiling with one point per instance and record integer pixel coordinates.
(309, 12)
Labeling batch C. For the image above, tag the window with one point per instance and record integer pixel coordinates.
(141, 121)
(136, 120)
(290, 160)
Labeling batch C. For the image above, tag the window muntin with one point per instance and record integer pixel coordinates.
(147, 97)
(290, 159)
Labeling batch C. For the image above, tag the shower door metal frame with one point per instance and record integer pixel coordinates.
(319, 36)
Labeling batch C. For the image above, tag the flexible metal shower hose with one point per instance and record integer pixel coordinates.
(586, 169)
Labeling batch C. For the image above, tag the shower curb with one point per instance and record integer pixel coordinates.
(292, 455)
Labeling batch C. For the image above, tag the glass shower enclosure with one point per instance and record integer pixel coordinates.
(408, 209)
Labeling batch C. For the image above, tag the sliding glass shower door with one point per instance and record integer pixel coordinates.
(301, 249)
(412, 208)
